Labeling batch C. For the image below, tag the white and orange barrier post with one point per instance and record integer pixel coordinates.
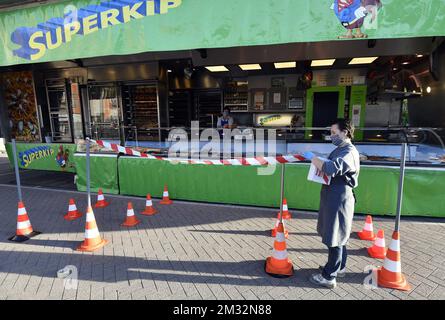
(93, 240)
(24, 229)
(279, 264)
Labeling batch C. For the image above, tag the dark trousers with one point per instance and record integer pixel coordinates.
(336, 262)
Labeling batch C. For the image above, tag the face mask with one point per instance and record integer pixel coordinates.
(336, 140)
(225, 113)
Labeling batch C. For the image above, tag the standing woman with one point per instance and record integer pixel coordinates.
(337, 201)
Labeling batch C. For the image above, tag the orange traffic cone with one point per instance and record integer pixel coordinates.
(368, 231)
(378, 250)
(390, 275)
(72, 214)
(274, 230)
(149, 209)
(279, 264)
(286, 214)
(165, 198)
(24, 228)
(92, 241)
(101, 203)
(131, 219)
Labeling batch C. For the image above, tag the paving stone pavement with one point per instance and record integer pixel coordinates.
(195, 251)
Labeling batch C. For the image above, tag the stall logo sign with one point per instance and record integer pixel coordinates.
(28, 156)
(35, 41)
(269, 119)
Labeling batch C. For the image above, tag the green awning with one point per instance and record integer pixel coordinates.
(91, 28)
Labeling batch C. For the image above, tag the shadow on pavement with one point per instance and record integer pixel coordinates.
(245, 273)
(266, 233)
(352, 252)
(46, 210)
(36, 178)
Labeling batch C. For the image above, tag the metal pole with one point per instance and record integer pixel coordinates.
(88, 170)
(136, 133)
(96, 131)
(282, 192)
(400, 190)
(16, 167)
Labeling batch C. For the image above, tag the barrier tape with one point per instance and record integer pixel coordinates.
(255, 161)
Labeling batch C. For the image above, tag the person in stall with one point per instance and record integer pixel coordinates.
(337, 201)
(226, 120)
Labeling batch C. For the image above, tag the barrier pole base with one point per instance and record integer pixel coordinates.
(289, 272)
(21, 238)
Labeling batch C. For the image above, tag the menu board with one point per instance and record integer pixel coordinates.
(21, 103)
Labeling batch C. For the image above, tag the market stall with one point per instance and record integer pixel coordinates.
(117, 80)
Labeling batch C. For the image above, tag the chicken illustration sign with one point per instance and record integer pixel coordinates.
(352, 14)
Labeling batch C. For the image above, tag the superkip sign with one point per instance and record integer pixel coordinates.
(49, 35)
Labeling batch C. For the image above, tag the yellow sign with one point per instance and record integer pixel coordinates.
(273, 120)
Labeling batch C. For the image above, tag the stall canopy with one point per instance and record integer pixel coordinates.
(88, 28)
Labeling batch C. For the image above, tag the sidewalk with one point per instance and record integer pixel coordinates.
(195, 251)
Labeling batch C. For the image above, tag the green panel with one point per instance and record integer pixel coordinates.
(358, 97)
(103, 173)
(174, 24)
(224, 184)
(376, 194)
(301, 193)
(377, 190)
(424, 193)
(44, 156)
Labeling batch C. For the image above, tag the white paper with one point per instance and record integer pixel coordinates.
(259, 97)
(356, 110)
(277, 97)
(312, 175)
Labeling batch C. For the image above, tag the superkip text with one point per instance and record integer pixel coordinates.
(35, 41)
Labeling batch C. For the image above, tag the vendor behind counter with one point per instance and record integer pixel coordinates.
(225, 120)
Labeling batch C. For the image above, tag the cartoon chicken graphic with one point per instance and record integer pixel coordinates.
(352, 14)
(62, 157)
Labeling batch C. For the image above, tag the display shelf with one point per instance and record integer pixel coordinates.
(140, 110)
(236, 96)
